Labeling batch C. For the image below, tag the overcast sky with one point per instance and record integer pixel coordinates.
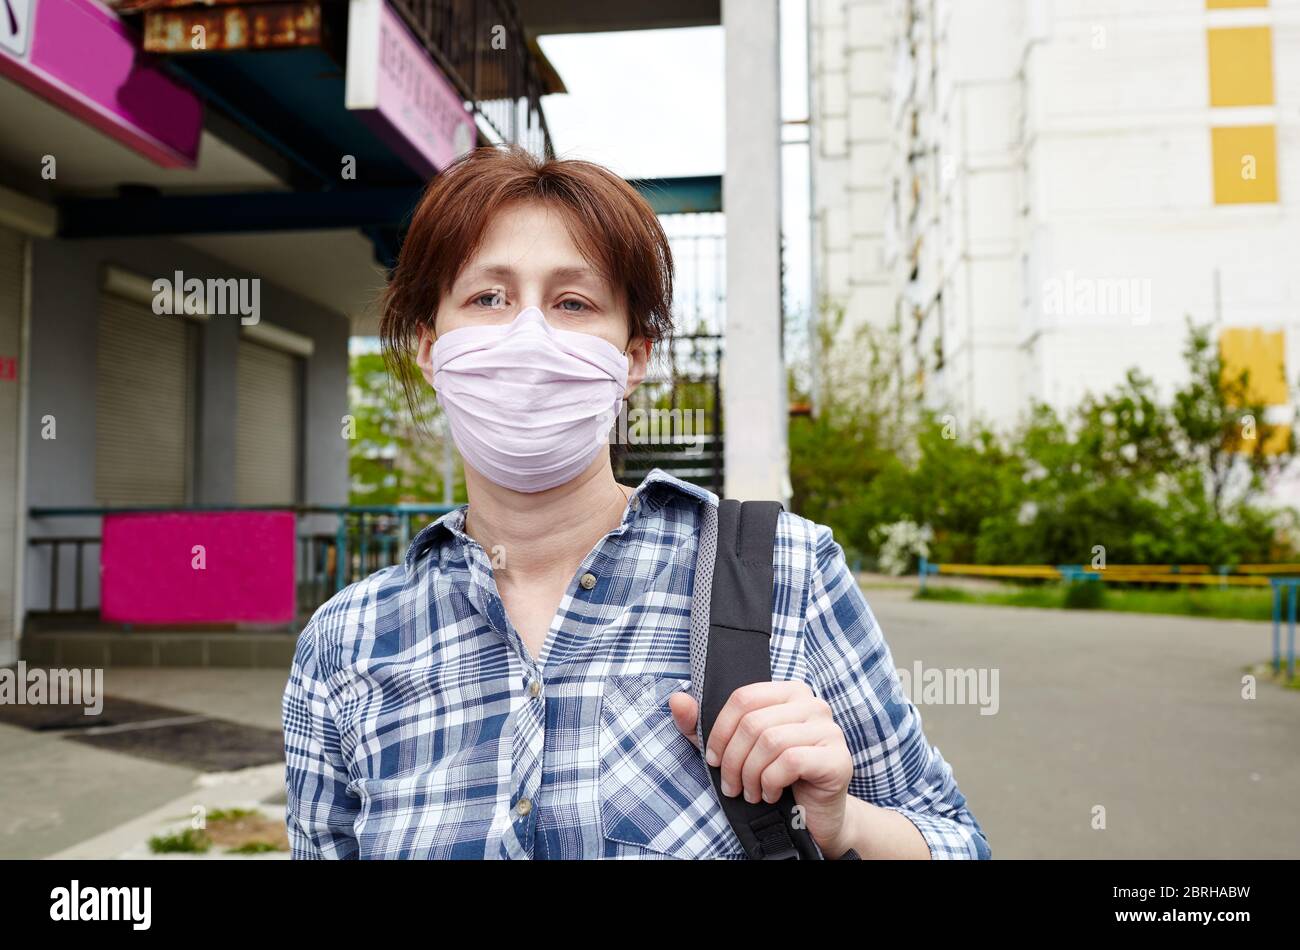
(651, 104)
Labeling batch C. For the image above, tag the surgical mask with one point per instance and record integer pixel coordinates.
(529, 405)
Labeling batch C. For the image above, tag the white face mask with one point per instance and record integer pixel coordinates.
(529, 405)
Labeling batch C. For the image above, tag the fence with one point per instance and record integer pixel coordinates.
(1240, 575)
(336, 545)
(682, 393)
(1188, 575)
(1289, 584)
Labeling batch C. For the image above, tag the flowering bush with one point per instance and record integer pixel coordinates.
(902, 544)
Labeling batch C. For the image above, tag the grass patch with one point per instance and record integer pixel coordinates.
(1264, 672)
(230, 814)
(189, 841)
(254, 847)
(234, 830)
(1232, 603)
(1085, 595)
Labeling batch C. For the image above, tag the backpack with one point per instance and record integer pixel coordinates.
(731, 624)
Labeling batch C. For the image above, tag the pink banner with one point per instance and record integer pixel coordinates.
(395, 87)
(78, 55)
(198, 567)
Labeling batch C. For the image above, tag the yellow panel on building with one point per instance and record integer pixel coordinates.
(1241, 66)
(1261, 354)
(1245, 164)
(1259, 438)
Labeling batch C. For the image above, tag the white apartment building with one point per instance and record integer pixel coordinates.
(1039, 193)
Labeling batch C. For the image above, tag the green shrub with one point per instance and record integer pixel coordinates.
(1131, 474)
(1085, 595)
(189, 841)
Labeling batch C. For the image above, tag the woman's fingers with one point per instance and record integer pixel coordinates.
(823, 765)
(745, 700)
(686, 712)
(758, 736)
(796, 705)
(751, 732)
(760, 767)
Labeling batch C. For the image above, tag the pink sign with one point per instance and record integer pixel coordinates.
(399, 91)
(80, 56)
(198, 567)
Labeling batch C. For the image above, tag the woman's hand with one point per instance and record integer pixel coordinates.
(772, 735)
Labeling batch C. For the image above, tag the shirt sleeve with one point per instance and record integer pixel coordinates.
(894, 765)
(320, 811)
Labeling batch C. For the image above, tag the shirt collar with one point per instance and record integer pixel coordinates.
(656, 490)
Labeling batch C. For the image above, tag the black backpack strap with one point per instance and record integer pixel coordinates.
(737, 654)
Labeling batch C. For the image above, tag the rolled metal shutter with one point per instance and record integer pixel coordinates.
(266, 438)
(11, 303)
(144, 427)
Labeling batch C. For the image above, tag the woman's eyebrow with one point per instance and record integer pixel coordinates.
(499, 271)
(506, 272)
(575, 273)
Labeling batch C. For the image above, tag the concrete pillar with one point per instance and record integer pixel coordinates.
(753, 382)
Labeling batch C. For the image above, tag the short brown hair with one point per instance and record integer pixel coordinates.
(613, 226)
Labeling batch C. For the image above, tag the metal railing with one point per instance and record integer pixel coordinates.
(681, 396)
(674, 419)
(480, 46)
(361, 540)
(1289, 585)
(1186, 575)
(55, 545)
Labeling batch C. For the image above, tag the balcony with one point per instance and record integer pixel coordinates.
(278, 82)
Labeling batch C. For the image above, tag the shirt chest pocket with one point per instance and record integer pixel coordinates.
(655, 791)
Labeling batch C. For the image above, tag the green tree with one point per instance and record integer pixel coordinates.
(851, 435)
(1147, 480)
(1221, 426)
(394, 458)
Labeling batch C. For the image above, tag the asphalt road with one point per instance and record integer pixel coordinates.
(1141, 715)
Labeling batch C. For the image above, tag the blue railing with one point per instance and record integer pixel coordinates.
(1240, 575)
(1289, 584)
(336, 545)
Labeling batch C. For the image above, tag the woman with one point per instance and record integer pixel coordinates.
(518, 687)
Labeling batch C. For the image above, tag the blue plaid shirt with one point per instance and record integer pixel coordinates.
(417, 725)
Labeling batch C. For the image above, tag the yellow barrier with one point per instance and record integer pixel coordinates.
(994, 570)
(1245, 575)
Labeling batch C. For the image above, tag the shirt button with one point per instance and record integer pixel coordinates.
(588, 581)
(534, 688)
(524, 806)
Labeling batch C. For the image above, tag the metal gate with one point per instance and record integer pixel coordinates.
(674, 419)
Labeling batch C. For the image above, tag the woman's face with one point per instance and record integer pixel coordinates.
(527, 259)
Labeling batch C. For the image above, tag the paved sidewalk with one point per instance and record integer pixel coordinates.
(1141, 715)
(57, 794)
(260, 788)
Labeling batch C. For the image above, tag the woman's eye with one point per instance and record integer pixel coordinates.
(578, 306)
(493, 300)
